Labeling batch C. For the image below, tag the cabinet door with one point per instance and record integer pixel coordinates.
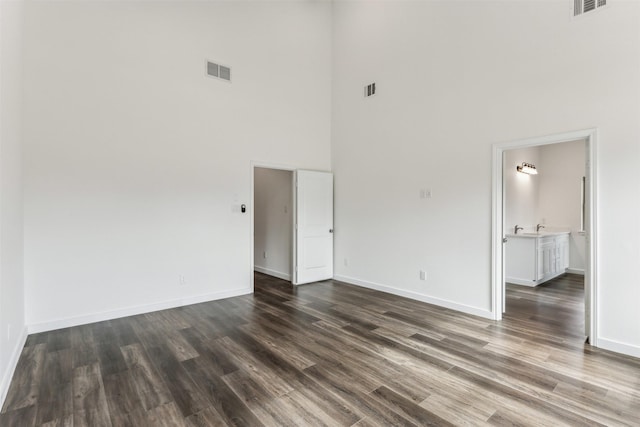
(520, 264)
(548, 260)
(549, 256)
(540, 265)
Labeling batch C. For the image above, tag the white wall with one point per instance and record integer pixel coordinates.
(12, 318)
(562, 167)
(273, 219)
(560, 196)
(521, 191)
(136, 163)
(453, 78)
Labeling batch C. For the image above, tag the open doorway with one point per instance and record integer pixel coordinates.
(273, 207)
(292, 223)
(555, 260)
(544, 252)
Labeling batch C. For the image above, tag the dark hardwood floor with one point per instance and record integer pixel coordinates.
(328, 354)
(557, 306)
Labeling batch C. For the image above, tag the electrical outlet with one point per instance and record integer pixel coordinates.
(182, 280)
(423, 275)
(346, 262)
(264, 254)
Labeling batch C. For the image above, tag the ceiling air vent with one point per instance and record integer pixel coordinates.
(584, 6)
(218, 71)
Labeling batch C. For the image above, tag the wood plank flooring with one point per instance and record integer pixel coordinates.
(328, 354)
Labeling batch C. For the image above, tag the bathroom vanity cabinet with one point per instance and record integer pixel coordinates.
(534, 258)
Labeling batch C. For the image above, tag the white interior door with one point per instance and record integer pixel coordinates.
(314, 227)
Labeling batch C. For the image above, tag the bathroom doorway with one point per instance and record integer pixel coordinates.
(545, 245)
(545, 187)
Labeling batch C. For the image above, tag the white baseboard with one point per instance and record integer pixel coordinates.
(274, 273)
(531, 283)
(132, 311)
(619, 347)
(417, 296)
(11, 366)
(579, 271)
(521, 282)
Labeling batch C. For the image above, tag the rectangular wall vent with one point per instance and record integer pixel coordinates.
(584, 6)
(212, 69)
(225, 73)
(369, 90)
(218, 71)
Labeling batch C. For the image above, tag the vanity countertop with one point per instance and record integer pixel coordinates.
(540, 234)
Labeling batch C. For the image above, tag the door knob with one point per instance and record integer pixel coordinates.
(331, 230)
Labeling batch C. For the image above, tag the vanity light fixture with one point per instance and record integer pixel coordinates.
(527, 168)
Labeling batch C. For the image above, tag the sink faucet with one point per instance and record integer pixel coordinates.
(538, 227)
(516, 228)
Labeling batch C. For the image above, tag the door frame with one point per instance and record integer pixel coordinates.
(292, 169)
(591, 223)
